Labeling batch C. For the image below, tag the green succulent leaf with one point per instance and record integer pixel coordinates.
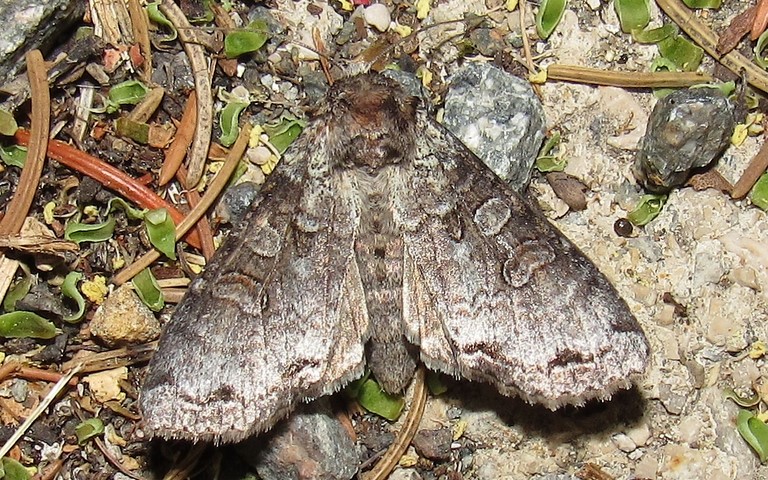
(759, 195)
(154, 14)
(161, 231)
(87, 429)
(283, 134)
(633, 14)
(654, 35)
(89, 232)
(703, 3)
(19, 290)
(229, 122)
(13, 155)
(148, 290)
(129, 92)
(8, 125)
(375, 400)
(10, 469)
(69, 290)
(682, 52)
(755, 432)
(647, 209)
(25, 325)
(246, 40)
(548, 17)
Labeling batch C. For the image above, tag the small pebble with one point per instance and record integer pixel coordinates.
(124, 319)
(378, 17)
(623, 227)
(434, 444)
(624, 443)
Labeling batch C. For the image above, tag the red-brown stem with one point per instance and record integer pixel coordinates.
(109, 176)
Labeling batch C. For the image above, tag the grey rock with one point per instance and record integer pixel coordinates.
(40, 299)
(236, 200)
(31, 24)
(687, 129)
(499, 118)
(673, 401)
(310, 444)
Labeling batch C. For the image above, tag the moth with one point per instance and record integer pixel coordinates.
(381, 240)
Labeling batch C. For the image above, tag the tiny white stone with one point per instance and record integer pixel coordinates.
(377, 16)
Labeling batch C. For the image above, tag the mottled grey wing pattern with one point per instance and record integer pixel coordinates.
(277, 317)
(494, 293)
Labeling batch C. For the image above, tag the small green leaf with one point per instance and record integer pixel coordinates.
(435, 383)
(229, 122)
(130, 211)
(633, 14)
(755, 432)
(375, 400)
(89, 232)
(759, 47)
(353, 388)
(136, 131)
(283, 134)
(129, 92)
(654, 35)
(161, 231)
(18, 291)
(742, 401)
(684, 54)
(247, 40)
(549, 163)
(647, 209)
(154, 14)
(703, 3)
(548, 17)
(148, 290)
(13, 470)
(13, 155)
(759, 194)
(88, 429)
(8, 125)
(25, 325)
(69, 289)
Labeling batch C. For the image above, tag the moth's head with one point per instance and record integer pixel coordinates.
(372, 120)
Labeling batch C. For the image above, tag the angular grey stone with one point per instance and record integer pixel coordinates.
(310, 445)
(30, 24)
(498, 116)
(687, 129)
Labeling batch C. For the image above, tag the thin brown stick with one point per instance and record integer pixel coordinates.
(215, 188)
(202, 141)
(754, 170)
(708, 40)
(182, 470)
(51, 471)
(761, 20)
(109, 176)
(174, 155)
(203, 226)
(596, 76)
(119, 357)
(19, 205)
(148, 105)
(140, 26)
(16, 369)
(411, 423)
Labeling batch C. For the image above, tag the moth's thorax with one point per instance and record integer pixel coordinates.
(371, 121)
